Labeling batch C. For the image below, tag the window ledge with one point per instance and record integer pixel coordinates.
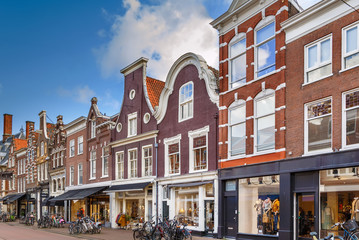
(106, 176)
(308, 83)
(80, 153)
(264, 152)
(266, 75)
(92, 179)
(328, 150)
(347, 69)
(349, 147)
(198, 171)
(185, 119)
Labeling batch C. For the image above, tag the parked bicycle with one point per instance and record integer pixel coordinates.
(350, 229)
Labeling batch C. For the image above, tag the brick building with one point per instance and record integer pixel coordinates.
(322, 103)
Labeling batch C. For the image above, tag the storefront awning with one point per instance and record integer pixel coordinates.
(128, 187)
(191, 184)
(4, 198)
(46, 202)
(77, 194)
(14, 197)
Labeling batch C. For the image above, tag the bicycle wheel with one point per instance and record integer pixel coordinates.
(353, 236)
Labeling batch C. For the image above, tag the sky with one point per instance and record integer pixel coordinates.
(56, 55)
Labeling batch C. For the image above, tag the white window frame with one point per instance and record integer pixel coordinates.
(80, 167)
(235, 40)
(103, 161)
(192, 135)
(265, 22)
(262, 95)
(46, 170)
(132, 117)
(72, 148)
(167, 142)
(122, 175)
(344, 45)
(129, 163)
(72, 176)
(93, 128)
(62, 158)
(319, 64)
(306, 152)
(237, 104)
(92, 164)
(144, 160)
(80, 142)
(42, 148)
(344, 118)
(185, 102)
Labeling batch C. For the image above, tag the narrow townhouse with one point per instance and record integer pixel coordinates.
(88, 198)
(252, 119)
(322, 99)
(187, 118)
(56, 168)
(134, 148)
(20, 161)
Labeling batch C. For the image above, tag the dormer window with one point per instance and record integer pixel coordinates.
(93, 128)
(186, 102)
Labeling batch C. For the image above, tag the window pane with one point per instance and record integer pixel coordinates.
(325, 51)
(238, 115)
(266, 133)
(265, 106)
(352, 60)
(312, 56)
(187, 206)
(319, 73)
(259, 208)
(238, 139)
(238, 48)
(320, 108)
(319, 133)
(238, 68)
(266, 58)
(352, 127)
(352, 39)
(352, 99)
(265, 33)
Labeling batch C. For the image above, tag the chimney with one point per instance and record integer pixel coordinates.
(29, 127)
(43, 126)
(7, 126)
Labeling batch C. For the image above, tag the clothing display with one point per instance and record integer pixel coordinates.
(355, 209)
(275, 209)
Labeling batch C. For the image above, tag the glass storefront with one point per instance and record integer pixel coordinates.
(135, 208)
(78, 209)
(187, 206)
(258, 205)
(339, 194)
(100, 209)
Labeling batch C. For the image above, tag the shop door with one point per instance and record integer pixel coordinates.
(165, 210)
(209, 215)
(230, 218)
(305, 215)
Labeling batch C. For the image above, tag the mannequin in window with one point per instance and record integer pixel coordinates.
(355, 209)
(275, 209)
(327, 216)
(267, 207)
(258, 208)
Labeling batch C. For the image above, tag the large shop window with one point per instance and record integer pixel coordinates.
(265, 123)
(318, 127)
(351, 118)
(258, 205)
(318, 60)
(265, 50)
(351, 47)
(174, 158)
(237, 52)
(187, 206)
(339, 198)
(237, 130)
(200, 153)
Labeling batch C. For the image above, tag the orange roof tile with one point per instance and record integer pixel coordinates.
(20, 143)
(154, 89)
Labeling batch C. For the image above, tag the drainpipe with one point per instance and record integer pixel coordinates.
(156, 148)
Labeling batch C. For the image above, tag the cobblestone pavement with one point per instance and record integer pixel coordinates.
(16, 231)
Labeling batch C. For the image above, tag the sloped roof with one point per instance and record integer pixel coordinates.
(154, 89)
(20, 143)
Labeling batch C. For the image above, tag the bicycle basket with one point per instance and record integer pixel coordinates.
(350, 225)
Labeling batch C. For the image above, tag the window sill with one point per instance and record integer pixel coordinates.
(106, 176)
(92, 179)
(328, 150)
(198, 171)
(347, 69)
(264, 152)
(185, 119)
(266, 75)
(349, 147)
(80, 153)
(308, 83)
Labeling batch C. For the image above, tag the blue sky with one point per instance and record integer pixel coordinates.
(55, 55)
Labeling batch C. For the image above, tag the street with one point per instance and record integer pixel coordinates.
(16, 231)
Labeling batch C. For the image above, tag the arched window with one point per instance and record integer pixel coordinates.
(264, 121)
(186, 101)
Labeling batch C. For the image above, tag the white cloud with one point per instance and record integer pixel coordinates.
(109, 101)
(79, 94)
(162, 33)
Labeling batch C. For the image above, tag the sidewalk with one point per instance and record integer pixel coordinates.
(106, 233)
